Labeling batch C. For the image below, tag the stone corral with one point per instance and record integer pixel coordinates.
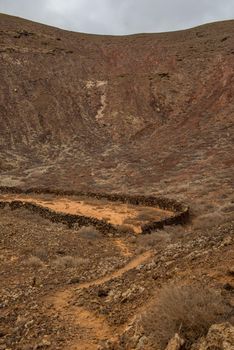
(180, 210)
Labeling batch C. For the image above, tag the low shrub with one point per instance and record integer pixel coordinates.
(208, 220)
(89, 232)
(154, 239)
(188, 310)
(41, 253)
(227, 208)
(125, 228)
(68, 261)
(34, 261)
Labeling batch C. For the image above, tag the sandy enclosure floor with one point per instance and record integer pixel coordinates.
(116, 213)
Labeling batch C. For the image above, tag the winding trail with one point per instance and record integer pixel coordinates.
(122, 247)
(87, 329)
(94, 327)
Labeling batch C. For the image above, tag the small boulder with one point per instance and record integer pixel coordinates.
(219, 337)
(175, 343)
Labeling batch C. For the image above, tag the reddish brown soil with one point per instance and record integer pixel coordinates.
(147, 113)
(141, 114)
(84, 305)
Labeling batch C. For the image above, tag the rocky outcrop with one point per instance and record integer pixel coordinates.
(219, 337)
(175, 343)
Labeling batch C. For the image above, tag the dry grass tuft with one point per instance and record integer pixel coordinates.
(154, 239)
(89, 232)
(125, 228)
(41, 253)
(228, 208)
(68, 261)
(209, 220)
(35, 262)
(188, 310)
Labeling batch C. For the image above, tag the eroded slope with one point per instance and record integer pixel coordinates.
(148, 112)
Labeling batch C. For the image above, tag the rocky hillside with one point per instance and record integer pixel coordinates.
(146, 112)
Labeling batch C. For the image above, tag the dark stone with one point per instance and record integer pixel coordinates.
(228, 286)
(74, 280)
(102, 293)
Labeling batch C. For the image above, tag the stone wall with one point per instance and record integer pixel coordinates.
(180, 210)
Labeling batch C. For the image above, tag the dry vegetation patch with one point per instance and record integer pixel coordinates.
(34, 262)
(209, 220)
(154, 239)
(65, 262)
(89, 232)
(125, 228)
(188, 310)
(160, 238)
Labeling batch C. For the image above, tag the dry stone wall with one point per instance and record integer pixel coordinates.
(180, 210)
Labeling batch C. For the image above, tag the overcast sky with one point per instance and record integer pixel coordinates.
(121, 16)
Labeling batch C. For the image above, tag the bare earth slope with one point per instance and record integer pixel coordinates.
(148, 112)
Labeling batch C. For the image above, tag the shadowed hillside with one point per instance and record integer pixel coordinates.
(147, 112)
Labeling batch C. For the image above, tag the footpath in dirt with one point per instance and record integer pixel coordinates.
(94, 327)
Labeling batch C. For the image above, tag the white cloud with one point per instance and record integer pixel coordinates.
(121, 16)
(62, 7)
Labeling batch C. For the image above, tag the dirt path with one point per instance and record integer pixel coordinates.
(94, 327)
(122, 247)
(118, 273)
